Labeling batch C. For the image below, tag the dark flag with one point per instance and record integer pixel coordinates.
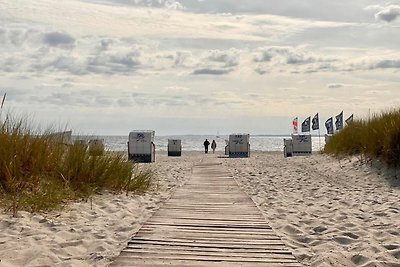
(339, 121)
(329, 126)
(305, 126)
(349, 119)
(315, 122)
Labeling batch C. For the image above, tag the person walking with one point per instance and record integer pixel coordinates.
(213, 146)
(206, 144)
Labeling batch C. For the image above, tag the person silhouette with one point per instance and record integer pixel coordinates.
(213, 146)
(206, 144)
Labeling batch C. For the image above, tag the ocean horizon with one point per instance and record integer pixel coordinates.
(192, 142)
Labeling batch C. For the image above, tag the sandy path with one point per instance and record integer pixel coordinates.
(330, 213)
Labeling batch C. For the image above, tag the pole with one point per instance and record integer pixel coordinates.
(319, 138)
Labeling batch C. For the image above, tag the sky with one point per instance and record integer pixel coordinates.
(197, 66)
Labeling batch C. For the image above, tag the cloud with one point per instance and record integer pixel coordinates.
(305, 59)
(300, 58)
(335, 85)
(115, 61)
(294, 60)
(124, 102)
(58, 39)
(229, 58)
(389, 13)
(30, 50)
(176, 89)
(373, 8)
(181, 58)
(263, 56)
(260, 70)
(217, 62)
(288, 55)
(208, 71)
(385, 13)
(169, 4)
(63, 99)
(387, 64)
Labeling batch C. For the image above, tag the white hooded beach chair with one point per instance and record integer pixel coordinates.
(141, 146)
(174, 147)
(302, 145)
(239, 146)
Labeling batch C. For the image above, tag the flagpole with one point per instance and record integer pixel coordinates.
(319, 138)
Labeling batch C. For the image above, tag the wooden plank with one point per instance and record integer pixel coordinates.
(205, 261)
(206, 231)
(233, 260)
(207, 234)
(198, 253)
(207, 222)
(220, 225)
(210, 250)
(228, 242)
(180, 263)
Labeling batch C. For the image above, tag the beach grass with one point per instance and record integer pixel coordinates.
(374, 138)
(39, 170)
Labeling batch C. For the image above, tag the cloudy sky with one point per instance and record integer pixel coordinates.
(197, 66)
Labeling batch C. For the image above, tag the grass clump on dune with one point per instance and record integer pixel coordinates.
(376, 138)
(41, 171)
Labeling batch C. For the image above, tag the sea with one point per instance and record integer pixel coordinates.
(195, 142)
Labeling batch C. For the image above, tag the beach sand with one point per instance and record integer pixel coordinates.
(329, 213)
(82, 235)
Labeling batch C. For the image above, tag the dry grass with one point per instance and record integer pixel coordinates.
(39, 171)
(377, 138)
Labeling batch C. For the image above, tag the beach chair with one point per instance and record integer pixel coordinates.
(174, 147)
(239, 146)
(287, 147)
(302, 145)
(141, 146)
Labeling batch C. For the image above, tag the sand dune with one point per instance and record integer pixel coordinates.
(85, 236)
(329, 213)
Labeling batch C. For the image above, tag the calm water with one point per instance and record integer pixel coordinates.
(195, 142)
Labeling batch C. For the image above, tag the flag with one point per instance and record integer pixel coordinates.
(315, 122)
(349, 119)
(329, 126)
(305, 126)
(295, 125)
(4, 99)
(339, 121)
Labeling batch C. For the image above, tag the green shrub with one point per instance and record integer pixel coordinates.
(377, 138)
(39, 171)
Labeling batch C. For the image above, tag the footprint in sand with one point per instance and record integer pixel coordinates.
(343, 240)
(359, 259)
(320, 229)
(351, 235)
(391, 246)
(290, 229)
(396, 253)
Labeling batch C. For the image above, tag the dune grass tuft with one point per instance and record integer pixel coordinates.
(376, 138)
(41, 171)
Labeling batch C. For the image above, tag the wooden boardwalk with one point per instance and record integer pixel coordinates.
(209, 221)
